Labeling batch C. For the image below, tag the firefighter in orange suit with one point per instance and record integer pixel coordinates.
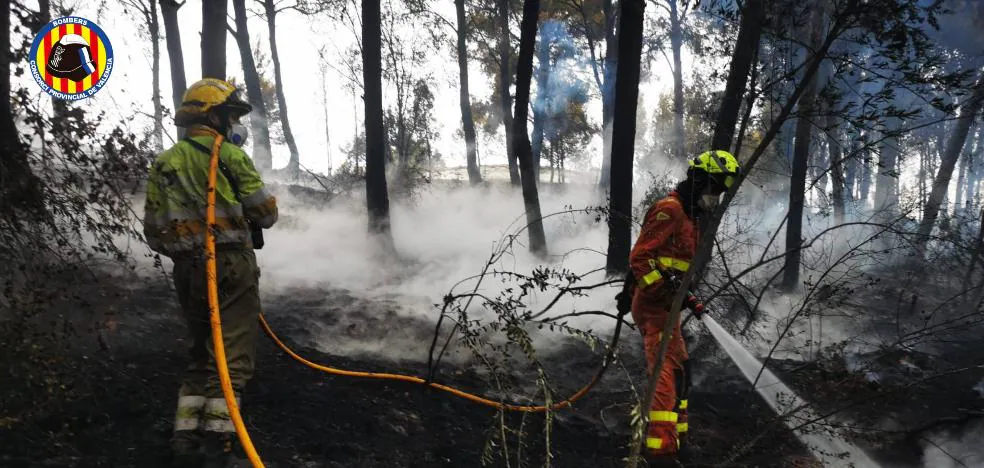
(666, 245)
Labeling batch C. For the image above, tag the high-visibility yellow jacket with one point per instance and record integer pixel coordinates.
(174, 212)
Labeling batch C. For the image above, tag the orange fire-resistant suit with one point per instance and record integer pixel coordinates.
(668, 242)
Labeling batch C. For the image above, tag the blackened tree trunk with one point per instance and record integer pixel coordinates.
(505, 100)
(631, 14)
(8, 131)
(801, 159)
(214, 39)
(258, 121)
(676, 43)
(58, 106)
(836, 166)
(542, 100)
(750, 98)
(294, 164)
(464, 97)
(521, 144)
(753, 15)
(377, 198)
(797, 194)
(19, 187)
(864, 179)
(172, 35)
(608, 94)
(954, 145)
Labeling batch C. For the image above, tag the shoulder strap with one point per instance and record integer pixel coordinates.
(222, 167)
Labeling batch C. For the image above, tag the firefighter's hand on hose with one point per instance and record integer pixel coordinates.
(694, 304)
(623, 300)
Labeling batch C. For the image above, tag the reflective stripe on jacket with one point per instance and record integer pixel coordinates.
(174, 212)
(668, 240)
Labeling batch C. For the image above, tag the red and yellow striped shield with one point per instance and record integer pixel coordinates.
(99, 51)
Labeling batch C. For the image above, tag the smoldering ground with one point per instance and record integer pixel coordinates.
(327, 290)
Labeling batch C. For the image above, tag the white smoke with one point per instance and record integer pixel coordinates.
(947, 449)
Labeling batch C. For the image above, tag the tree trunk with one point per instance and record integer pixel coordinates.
(294, 163)
(608, 94)
(154, 27)
(966, 177)
(836, 166)
(851, 169)
(9, 156)
(172, 34)
(864, 170)
(962, 179)
(9, 133)
(801, 158)
(505, 101)
(58, 106)
(377, 199)
(563, 170)
(551, 167)
(968, 110)
(521, 145)
(324, 108)
(631, 14)
(978, 248)
(464, 97)
(819, 162)
(750, 97)
(973, 169)
(887, 182)
(923, 193)
(676, 43)
(214, 39)
(19, 187)
(258, 122)
(542, 99)
(753, 15)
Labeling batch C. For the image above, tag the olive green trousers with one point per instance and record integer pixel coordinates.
(201, 406)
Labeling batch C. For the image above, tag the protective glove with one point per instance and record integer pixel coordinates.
(623, 300)
(694, 304)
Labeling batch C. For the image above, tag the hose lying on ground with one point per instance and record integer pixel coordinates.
(454, 391)
(223, 368)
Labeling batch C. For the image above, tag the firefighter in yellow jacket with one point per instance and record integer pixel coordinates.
(174, 225)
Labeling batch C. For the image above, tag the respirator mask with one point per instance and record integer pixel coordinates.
(709, 203)
(237, 134)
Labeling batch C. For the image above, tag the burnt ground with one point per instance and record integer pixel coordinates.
(98, 391)
(101, 393)
(925, 388)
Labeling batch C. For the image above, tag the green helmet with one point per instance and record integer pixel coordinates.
(721, 166)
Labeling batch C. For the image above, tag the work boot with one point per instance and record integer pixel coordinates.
(222, 450)
(186, 453)
(187, 460)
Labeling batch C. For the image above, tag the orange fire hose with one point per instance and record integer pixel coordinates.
(454, 391)
(223, 368)
(213, 312)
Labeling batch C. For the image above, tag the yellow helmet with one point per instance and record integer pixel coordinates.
(206, 95)
(721, 165)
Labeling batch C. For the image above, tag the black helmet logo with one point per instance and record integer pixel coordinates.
(71, 58)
